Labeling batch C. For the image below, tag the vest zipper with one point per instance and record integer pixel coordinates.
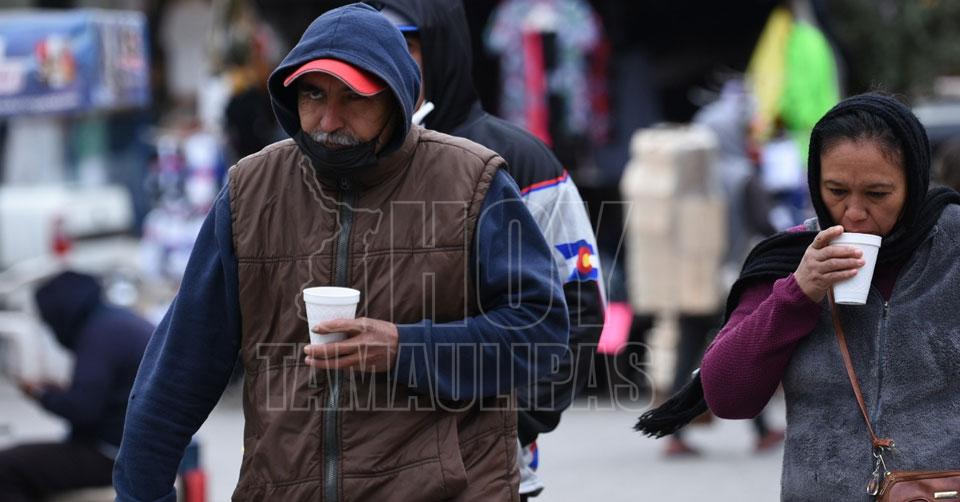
(331, 442)
(346, 221)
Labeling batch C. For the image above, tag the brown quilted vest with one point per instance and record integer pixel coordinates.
(409, 225)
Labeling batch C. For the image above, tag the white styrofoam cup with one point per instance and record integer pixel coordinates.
(327, 303)
(854, 291)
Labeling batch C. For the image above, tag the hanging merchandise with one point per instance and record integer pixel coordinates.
(811, 87)
(549, 85)
(793, 75)
(186, 177)
(766, 71)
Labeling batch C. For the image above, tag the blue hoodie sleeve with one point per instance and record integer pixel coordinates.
(186, 366)
(522, 331)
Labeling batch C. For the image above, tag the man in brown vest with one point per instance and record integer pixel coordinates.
(460, 304)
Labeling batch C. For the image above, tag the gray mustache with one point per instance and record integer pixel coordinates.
(334, 138)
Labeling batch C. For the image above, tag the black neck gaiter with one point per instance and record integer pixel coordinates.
(347, 162)
(341, 162)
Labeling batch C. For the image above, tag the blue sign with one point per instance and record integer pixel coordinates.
(54, 62)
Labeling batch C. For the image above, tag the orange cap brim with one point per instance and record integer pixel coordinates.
(362, 82)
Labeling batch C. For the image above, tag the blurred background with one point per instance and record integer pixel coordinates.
(684, 124)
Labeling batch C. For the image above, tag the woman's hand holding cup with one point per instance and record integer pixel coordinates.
(824, 265)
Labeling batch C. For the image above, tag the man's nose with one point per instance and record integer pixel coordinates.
(331, 120)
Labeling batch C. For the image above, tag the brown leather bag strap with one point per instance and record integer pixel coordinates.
(852, 374)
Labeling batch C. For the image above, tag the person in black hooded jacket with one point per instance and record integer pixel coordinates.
(108, 343)
(438, 37)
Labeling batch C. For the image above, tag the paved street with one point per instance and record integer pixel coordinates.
(597, 456)
(593, 455)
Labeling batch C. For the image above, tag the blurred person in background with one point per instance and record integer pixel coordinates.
(947, 164)
(749, 206)
(438, 38)
(251, 50)
(108, 343)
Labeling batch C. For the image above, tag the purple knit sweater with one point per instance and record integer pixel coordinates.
(745, 363)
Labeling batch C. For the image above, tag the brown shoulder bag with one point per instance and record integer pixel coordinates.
(894, 486)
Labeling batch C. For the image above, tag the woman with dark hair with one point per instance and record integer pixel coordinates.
(868, 172)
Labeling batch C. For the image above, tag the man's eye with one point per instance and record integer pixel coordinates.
(839, 192)
(312, 93)
(878, 195)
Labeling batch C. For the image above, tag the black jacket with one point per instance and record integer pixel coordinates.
(448, 84)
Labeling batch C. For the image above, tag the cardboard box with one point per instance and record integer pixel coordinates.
(701, 226)
(676, 221)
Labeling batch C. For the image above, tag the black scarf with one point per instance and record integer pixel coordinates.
(780, 255)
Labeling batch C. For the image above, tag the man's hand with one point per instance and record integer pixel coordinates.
(824, 265)
(371, 345)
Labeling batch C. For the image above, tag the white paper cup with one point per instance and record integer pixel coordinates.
(326, 304)
(854, 290)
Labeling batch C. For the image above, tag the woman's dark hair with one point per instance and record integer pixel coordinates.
(858, 125)
(896, 129)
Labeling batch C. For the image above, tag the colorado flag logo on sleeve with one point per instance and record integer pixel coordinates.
(580, 257)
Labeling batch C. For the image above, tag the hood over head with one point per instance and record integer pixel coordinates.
(447, 58)
(360, 36)
(65, 302)
(909, 134)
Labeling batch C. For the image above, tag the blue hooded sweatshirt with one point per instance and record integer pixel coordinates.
(191, 356)
(383, 52)
(107, 343)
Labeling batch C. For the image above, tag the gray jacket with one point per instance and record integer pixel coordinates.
(907, 355)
